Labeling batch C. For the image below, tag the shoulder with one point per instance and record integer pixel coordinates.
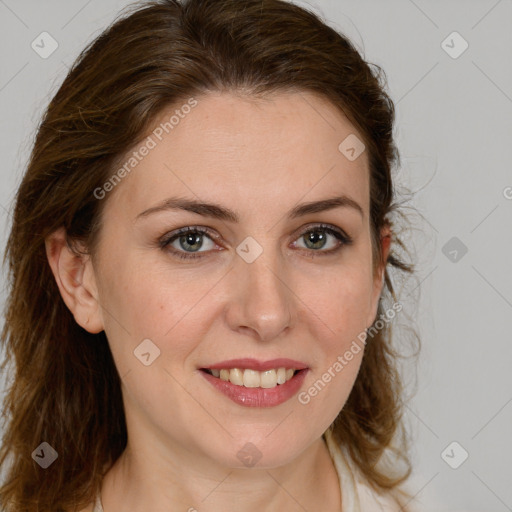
(357, 493)
(371, 500)
(395, 500)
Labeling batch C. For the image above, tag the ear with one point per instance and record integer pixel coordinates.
(75, 278)
(385, 242)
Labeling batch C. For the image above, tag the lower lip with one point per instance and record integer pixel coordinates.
(258, 397)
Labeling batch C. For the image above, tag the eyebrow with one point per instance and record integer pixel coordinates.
(225, 214)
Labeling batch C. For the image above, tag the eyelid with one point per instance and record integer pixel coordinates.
(323, 226)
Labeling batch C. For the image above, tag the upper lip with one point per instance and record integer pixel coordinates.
(254, 364)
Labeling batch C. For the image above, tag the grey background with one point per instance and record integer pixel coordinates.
(454, 127)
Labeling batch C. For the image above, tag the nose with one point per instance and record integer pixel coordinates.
(261, 302)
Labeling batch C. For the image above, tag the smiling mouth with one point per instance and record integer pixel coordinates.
(252, 378)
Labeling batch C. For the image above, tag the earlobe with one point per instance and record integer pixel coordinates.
(76, 281)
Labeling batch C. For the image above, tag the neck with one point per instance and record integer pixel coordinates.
(138, 483)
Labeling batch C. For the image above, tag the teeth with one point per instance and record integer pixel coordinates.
(253, 378)
(236, 376)
(268, 379)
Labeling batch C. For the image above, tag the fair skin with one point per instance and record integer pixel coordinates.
(259, 159)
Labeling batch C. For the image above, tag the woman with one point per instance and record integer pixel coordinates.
(199, 248)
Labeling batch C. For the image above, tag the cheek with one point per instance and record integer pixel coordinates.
(339, 316)
(146, 301)
(341, 300)
(338, 312)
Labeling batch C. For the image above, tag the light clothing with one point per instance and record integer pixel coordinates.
(355, 494)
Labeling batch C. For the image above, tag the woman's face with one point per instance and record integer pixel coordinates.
(267, 285)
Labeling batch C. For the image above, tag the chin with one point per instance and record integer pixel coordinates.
(261, 451)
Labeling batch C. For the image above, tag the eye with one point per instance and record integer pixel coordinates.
(317, 238)
(187, 241)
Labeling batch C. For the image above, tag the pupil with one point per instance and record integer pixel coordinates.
(190, 240)
(316, 239)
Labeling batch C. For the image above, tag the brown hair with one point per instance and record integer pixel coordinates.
(66, 389)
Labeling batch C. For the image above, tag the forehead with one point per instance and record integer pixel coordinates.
(245, 152)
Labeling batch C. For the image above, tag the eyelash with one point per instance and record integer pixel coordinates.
(166, 240)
